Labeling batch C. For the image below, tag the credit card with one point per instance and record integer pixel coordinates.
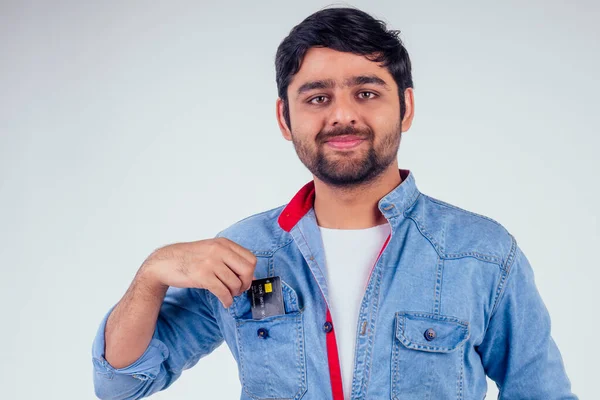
(266, 297)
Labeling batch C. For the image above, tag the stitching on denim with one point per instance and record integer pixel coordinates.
(297, 320)
(269, 253)
(372, 332)
(436, 317)
(292, 296)
(412, 201)
(441, 273)
(396, 359)
(441, 253)
(301, 356)
(510, 258)
(438, 286)
(426, 234)
(103, 368)
(428, 386)
(399, 326)
(241, 356)
(439, 248)
(373, 315)
(459, 383)
(279, 248)
(314, 260)
(312, 256)
(464, 331)
(362, 315)
(395, 362)
(507, 268)
(479, 256)
(282, 245)
(433, 349)
(270, 267)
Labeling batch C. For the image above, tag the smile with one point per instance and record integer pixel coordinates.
(345, 144)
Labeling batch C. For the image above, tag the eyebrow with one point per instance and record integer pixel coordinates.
(352, 81)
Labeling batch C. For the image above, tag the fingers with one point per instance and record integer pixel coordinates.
(240, 265)
(229, 279)
(227, 268)
(219, 289)
(242, 251)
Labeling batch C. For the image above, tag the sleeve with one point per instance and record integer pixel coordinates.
(518, 351)
(186, 330)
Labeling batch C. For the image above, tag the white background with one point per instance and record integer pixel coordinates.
(128, 127)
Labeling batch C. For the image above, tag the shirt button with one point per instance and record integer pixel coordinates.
(430, 334)
(262, 333)
(327, 327)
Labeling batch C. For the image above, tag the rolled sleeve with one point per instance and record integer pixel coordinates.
(145, 367)
(186, 330)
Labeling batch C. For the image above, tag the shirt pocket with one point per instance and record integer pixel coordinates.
(427, 359)
(272, 360)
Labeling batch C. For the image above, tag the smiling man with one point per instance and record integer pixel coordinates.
(361, 286)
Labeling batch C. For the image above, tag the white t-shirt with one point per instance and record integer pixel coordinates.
(350, 254)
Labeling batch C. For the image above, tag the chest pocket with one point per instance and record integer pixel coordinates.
(428, 354)
(272, 360)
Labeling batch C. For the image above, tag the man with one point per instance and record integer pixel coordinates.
(385, 291)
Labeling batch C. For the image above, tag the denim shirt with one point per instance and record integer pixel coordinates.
(450, 299)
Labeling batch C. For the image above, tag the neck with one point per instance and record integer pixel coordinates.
(355, 207)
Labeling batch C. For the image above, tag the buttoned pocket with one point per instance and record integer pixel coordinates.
(428, 352)
(271, 350)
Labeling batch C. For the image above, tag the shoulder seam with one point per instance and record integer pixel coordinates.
(495, 259)
(443, 203)
(506, 268)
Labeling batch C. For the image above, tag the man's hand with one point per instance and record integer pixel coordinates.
(219, 265)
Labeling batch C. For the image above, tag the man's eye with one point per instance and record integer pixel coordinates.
(312, 101)
(371, 95)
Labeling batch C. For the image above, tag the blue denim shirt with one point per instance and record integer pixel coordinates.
(450, 299)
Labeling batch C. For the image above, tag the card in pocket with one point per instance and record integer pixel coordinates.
(266, 297)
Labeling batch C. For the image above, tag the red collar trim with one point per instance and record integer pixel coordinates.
(297, 207)
(303, 201)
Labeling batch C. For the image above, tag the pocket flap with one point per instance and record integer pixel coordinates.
(445, 333)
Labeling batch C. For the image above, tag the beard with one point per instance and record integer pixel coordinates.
(350, 167)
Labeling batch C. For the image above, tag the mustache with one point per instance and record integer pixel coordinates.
(346, 130)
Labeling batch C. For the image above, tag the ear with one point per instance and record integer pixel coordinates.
(409, 101)
(285, 130)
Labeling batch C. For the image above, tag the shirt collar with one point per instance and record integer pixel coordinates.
(390, 205)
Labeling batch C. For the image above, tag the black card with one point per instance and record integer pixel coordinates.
(266, 297)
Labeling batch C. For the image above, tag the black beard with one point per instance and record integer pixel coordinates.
(342, 172)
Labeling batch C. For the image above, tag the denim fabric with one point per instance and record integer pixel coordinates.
(451, 298)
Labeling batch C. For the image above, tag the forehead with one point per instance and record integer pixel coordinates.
(325, 63)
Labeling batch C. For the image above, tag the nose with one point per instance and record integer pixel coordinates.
(343, 112)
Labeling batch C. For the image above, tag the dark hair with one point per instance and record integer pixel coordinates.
(348, 30)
